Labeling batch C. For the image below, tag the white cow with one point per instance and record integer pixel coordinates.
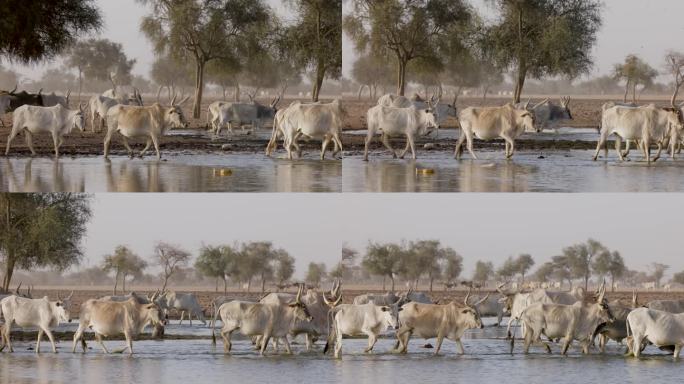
(672, 306)
(319, 121)
(99, 105)
(657, 327)
(151, 122)
(489, 123)
(261, 320)
(182, 302)
(393, 121)
(578, 322)
(392, 100)
(441, 321)
(223, 113)
(646, 125)
(360, 319)
(40, 313)
(57, 120)
(110, 318)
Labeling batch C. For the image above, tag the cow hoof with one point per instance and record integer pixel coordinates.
(428, 346)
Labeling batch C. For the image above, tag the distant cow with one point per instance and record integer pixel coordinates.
(52, 99)
(547, 114)
(672, 306)
(39, 313)
(57, 120)
(489, 123)
(182, 302)
(109, 318)
(223, 113)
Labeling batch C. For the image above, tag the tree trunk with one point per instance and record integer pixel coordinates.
(249, 284)
(9, 271)
(519, 83)
(612, 283)
(216, 284)
(225, 285)
(159, 91)
(224, 92)
(199, 88)
(166, 280)
(634, 86)
(392, 278)
(263, 284)
(431, 281)
(358, 95)
(320, 75)
(401, 77)
(80, 85)
(123, 284)
(116, 281)
(384, 278)
(236, 96)
(624, 98)
(586, 282)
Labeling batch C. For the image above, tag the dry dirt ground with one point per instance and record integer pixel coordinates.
(91, 143)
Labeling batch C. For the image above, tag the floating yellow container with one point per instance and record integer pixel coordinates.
(425, 171)
(223, 172)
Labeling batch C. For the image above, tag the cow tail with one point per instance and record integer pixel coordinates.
(213, 323)
(332, 330)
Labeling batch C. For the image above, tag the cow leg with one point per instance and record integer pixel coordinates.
(438, 346)
(264, 344)
(181, 318)
(372, 339)
(677, 351)
(385, 141)
(11, 137)
(288, 350)
(338, 344)
(459, 344)
(469, 142)
(108, 141)
(155, 141)
(459, 145)
(55, 143)
(78, 336)
(52, 339)
(190, 317)
(128, 147)
(660, 150)
(129, 342)
(29, 141)
(636, 348)
(338, 143)
(511, 145)
(601, 142)
(6, 333)
(147, 147)
(646, 144)
(324, 148)
(412, 142)
(227, 345)
(602, 343)
(98, 337)
(369, 137)
(40, 336)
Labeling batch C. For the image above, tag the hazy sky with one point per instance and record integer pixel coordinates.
(122, 25)
(647, 28)
(643, 227)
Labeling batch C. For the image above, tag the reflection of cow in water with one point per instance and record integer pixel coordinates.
(38, 179)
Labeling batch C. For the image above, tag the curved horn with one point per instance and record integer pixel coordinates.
(527, 104)
(498, 288)
(15, 88)
(481, 301)
(467, 297)
(173, 101)
(184, 100)
(299, 293)
(635, 301)
(16, 290)
(70, 295)
(540, 104)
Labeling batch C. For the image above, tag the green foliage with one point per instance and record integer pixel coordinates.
(678, 277)
(315, 39)
(315, 273)
(483, 271)
(35, 30)
(383, 260)
(42, 230)
(658, 271)
(203, 30)
(171, 258)
(407, 29)
(373, 70)
(97, 59)
(124, 263)
(284, 266)
(543, 37)
(634, 72)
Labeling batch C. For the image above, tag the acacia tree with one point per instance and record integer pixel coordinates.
(408, 29)
(124, 263)
(99, 59)
(316, 273)
(315, 40)
(658, 271)
(214, 262)
(41, 230)
(383, 260)
(171, 258)
(674, 65)
(284, 266)
(452, 265)
(35, 30)
(544, 37)
(205, 29)
(579, 258)
(634, 72)
(523, 264)
(170, 73)
(372, 71)
(483, 271)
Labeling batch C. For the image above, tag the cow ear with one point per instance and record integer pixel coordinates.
(464, 311)
(384, 309)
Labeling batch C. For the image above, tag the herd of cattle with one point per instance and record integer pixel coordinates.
(544, 316)
(123, 112)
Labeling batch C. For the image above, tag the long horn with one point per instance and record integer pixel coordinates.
(299, 293)
(527, 104)
(70, 295)
(173, 101)
(498, 288)
(481, 301)
(15, 88)
(467, 297)
(540, 104)
(635, 302)
(16, 290)
(184, 100)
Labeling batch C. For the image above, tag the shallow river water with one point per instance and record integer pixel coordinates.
(178, 172)
(196, 361)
